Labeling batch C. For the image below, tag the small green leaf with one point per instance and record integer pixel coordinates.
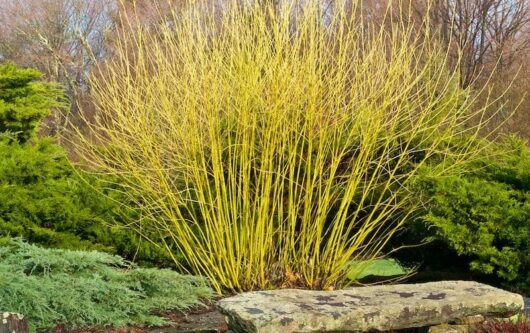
(375, 267)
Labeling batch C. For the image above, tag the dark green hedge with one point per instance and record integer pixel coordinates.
(42, 198)
(482, 216)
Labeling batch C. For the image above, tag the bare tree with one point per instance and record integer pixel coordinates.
(62, 38)
(484, 35)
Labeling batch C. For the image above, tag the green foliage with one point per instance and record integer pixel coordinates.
(42, 198)
(484, 215)
(24, 101)
(386, 268)
(84, 289)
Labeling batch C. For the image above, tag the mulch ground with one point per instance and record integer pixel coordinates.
(197, 320)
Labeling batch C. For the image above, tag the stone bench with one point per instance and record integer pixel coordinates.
(374, 308)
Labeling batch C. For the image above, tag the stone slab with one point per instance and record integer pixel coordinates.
(374, 308)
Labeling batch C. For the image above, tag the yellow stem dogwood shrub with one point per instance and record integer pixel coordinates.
(270, 144)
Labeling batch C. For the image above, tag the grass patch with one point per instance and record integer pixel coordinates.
(89, 289)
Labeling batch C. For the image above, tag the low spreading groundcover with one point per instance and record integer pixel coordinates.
(89, 289)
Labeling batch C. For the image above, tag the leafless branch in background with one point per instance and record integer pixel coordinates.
(484, 35)
(62, 38)
(487, 39)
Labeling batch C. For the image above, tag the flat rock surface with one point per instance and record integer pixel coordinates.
(362, 309)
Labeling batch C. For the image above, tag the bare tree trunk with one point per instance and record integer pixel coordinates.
(484, 35)
(13, 323)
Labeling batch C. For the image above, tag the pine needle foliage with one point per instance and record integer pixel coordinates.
(273, 142)
(483, 215)
(25, 100)
(81, 289)
(41, 197)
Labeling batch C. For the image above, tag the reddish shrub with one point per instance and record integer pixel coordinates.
(501, 326)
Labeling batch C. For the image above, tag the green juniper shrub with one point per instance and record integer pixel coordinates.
(483, 216)
(42, 198)
(25, 101)
(80, 289)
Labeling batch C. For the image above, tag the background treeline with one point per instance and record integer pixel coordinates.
(489, 41)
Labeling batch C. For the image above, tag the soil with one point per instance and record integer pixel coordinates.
(197, 320)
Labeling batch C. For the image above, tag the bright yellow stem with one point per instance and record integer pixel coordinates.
(271, 145)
